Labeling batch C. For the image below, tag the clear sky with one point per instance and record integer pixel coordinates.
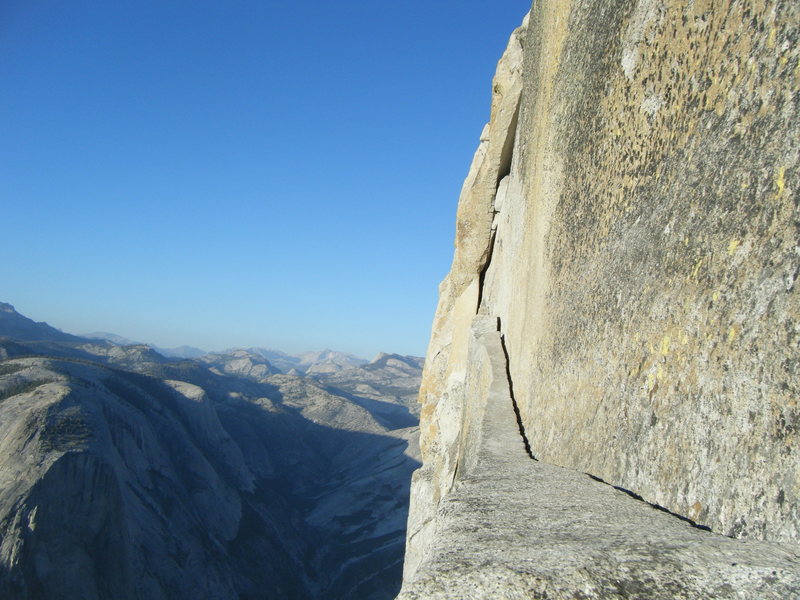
(240, 173)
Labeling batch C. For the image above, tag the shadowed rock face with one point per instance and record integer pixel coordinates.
(630, 222)
(17, 326)
(115, 484)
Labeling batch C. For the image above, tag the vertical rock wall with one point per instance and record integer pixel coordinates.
(632, 218)
(447, 405)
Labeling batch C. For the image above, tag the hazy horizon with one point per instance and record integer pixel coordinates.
(100, 334)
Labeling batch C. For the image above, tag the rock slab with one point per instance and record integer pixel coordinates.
(512, 527)
(630, 222)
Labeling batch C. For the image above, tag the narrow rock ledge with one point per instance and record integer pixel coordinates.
(515, 528)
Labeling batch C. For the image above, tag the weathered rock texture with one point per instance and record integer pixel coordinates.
(631, 220)
(516, 528)
(126, 475)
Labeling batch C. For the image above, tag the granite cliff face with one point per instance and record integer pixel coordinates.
(630, 227)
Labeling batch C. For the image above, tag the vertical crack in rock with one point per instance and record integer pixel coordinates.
(507, 153)
(485, 269)
(503, 170)
(517, 414)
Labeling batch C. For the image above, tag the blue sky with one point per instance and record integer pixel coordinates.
(281, 174)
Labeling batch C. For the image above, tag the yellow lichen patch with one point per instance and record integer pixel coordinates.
(734, 244)
(732, 333)
(780, 182)
(660, 373)
(715, 296)
(696, 268)
(665, 345)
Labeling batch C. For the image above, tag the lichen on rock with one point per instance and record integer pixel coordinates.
(630, 220)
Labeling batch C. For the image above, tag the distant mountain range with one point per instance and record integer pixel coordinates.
(318, 362)
(179, 352)
(129, 474)
(15, 326)
(323, 361)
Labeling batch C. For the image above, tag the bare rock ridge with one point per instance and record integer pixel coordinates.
(127, 475)
(629, 223)
(19, 327)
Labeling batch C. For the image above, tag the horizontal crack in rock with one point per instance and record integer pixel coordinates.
(636, 496)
